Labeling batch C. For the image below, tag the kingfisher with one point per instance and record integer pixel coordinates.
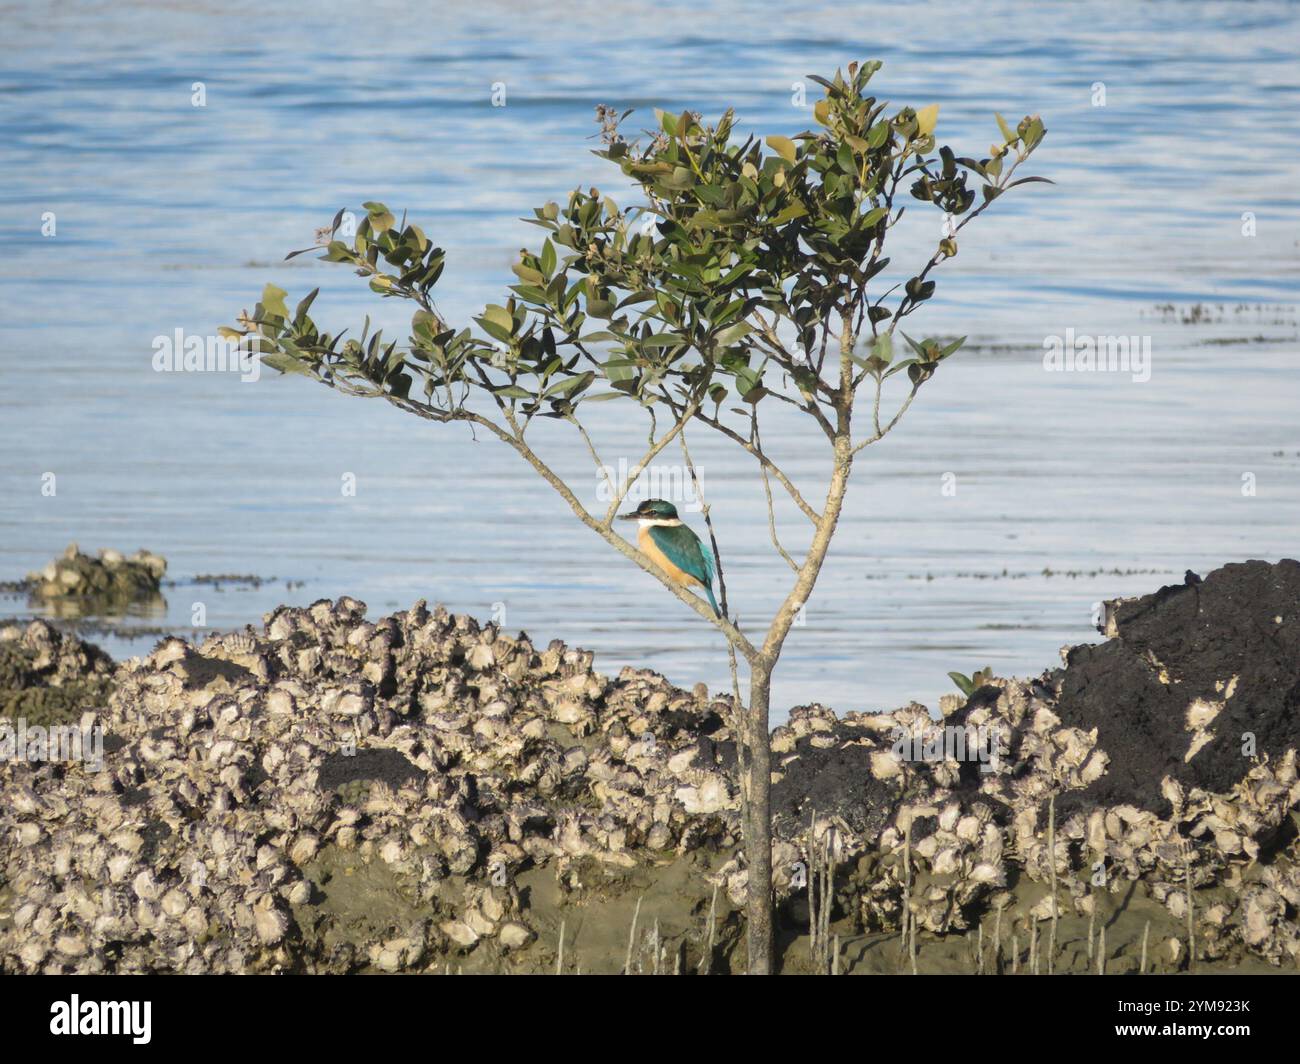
(673, 547)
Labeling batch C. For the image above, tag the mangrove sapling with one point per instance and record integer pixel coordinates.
(1092, 921)
(997, 940)
(631, 936)
(1051, 860)
(751, 273)
(904, 938)
(821, 894)
(706, 956)
(911, 942)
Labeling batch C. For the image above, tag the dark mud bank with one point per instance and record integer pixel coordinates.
(1194, 678)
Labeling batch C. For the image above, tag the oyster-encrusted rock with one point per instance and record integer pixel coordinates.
(451, 758)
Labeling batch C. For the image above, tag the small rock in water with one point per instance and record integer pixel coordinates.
(109, 579)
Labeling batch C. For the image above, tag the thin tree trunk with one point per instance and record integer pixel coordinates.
(758, 823)
(758, 826)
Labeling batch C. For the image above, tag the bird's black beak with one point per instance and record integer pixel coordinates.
(629, 517)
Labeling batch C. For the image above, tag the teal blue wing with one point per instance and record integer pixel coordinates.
(683, 548)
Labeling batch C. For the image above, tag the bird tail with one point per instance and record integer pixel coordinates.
(708, 590)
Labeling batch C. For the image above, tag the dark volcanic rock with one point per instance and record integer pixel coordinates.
(833, 780)
(1230, 641)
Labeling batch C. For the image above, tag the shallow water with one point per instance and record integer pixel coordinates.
(1069, 488)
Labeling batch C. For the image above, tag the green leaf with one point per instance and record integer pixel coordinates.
(919, 290)
(273, 301)
(620, 369)
(414, 236)
(747, 379)
(500, 316)
(1030, 180)
(1033, 134)
(424, 324)
(733, 333)
(301, 312)
(286, 363)
(494, 330)
(569, 384)
(963, 683)
(783, 146)
(381, 218)
(793, 211)
(944, 352)
(679, 180)
(337, 252)
(662, 340)
(920, 351)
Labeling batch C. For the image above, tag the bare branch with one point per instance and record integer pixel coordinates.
(908, 304)
(708, 522)
(646, 459)
(880, 434)
(766, 462)
(767, 490)
(601, 467)
(816, 556)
